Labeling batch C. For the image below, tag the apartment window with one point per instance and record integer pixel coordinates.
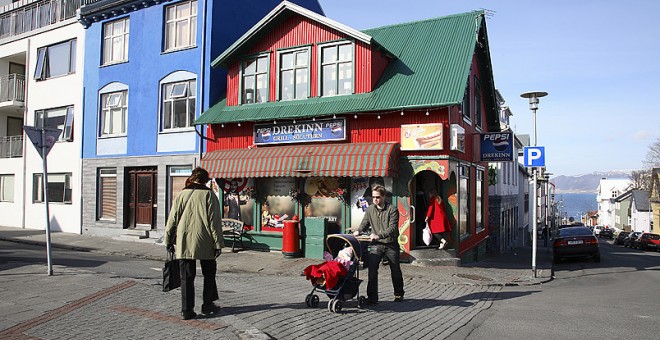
(466, 101)
(477, 103)
(6, 188)
(59, 188)
(480, 200)
(178, 104)
(177, 181)
(254, 87)
(113, 113)
(115, 41)
(180, 25)
(337, 69)
(464, 200)
(56, 60)
(107, 194)
(59, 118)
(294, 74)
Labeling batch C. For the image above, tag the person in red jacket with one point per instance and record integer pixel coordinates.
(436, 217)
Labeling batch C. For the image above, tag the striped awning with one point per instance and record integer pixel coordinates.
(330, 160)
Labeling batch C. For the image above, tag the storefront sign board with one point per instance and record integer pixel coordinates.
(497, 147)
(320, 130)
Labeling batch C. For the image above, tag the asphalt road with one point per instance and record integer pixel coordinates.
(615, 299)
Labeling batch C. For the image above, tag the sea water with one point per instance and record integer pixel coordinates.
(576, 205)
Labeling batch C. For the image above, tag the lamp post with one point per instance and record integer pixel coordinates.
(533, 97)
(547, 209)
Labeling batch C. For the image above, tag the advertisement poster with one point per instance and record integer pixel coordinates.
(497, 147)
(238, 199)
(278, 205)
(361, 196)
(422, 137)
(326, 200)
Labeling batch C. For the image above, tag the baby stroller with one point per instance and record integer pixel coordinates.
(348, 286)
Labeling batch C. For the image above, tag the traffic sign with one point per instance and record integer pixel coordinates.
(50, 136)
(534, 156)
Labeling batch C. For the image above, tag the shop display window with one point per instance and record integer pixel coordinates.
(238, 199)
(278, 204)
(327, 197)
(361, 196)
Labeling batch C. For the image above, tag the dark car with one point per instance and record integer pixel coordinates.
(630, 240)
(647, 241)
(619, 238)
(607, 233)
(575, 242)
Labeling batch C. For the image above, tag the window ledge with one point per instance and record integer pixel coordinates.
(178, 49)
(112, 136)
(178, 130)
(114, 63)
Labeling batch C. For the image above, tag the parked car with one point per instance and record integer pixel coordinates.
(575, 242)
(647, 241)
(628, 241)
(619, 238)
(597, 229)
(607, 233)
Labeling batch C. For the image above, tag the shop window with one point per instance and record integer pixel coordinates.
(238, 199)
(294, 74)
(115, 41)
(107, 194)
(6, 188)
(337, 69)
(281, 198)
(477, 103)
(59, 188)
(254, 80)
(480, 200)
(180, 25)
(56, 60)
(113, 113)
(178, 106)
(464, 199)
(465, 108)
(360, 196)
(59, 118)
(327, 198)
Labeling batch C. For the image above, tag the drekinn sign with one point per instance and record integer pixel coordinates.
(320, 130)
(497, 147)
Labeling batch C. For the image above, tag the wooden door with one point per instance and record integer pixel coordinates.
(141, 198)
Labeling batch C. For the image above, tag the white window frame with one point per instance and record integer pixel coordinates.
(105, 173)
(464, 200)
(295, 77)
(67, 127)
(176, 39)
(479, 200)
(170, 101)
(46, 55)
(337, 63)
(119, 105)
(38, 189)
(110, 37)
(6, 188)
(175, 171)
(260, 76)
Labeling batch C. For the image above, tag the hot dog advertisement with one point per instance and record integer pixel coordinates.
(422, 137)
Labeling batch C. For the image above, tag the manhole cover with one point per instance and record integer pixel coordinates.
(474, 277)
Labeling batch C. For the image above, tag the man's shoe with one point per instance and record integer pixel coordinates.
(398, 298)
(210, 309)
(188, 315)
(372, 302)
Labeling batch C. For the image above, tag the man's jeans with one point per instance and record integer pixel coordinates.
(188, 271)
(376, 253)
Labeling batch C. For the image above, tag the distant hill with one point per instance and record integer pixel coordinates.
(587, 183)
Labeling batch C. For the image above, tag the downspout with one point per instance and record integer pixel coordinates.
(202, 87)
(25, 115)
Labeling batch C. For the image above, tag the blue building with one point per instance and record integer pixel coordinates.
(147, 77)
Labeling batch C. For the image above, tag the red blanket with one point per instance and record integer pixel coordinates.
(331, 271)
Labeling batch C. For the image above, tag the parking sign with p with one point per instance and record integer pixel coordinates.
(534, 156)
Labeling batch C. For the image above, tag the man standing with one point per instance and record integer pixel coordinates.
(383, 220)
(194, 226)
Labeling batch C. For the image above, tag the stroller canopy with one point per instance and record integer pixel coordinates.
(337, 242)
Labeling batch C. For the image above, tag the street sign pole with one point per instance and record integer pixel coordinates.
(45, 194)
(534, 225)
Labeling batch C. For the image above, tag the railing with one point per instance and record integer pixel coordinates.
(37, 15)
(11, 146)
(12, 88)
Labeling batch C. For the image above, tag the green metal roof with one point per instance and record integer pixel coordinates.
(432, 62)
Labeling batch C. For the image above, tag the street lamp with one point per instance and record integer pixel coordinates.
(533, 97)
(546, 175)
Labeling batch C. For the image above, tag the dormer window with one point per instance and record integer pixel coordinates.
(254, 88)
(294, 74)
(337, 69)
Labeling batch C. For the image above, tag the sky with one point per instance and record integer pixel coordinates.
(598, 60)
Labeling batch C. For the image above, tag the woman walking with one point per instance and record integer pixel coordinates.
(436, 217)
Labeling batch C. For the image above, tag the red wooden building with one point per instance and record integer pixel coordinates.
(316, 112)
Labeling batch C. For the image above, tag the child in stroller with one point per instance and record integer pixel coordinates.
(338, 276)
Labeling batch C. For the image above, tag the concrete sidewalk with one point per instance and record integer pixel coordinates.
(510, 269)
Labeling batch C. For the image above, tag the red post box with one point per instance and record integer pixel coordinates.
(291, 238)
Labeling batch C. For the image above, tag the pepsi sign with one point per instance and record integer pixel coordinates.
(320, 130)
(497, 147)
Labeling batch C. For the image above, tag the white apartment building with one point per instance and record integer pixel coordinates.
(41, 72)
(608, 190)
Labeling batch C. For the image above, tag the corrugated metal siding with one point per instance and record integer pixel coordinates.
(232, 85)
(362, 68)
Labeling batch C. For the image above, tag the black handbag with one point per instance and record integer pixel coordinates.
(171, 274)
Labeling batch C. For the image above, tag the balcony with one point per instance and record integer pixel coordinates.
(16, 18)
(12, 90)
(11, 146)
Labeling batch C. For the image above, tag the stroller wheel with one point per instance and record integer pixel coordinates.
(308, 300)
(335, 306)
(314, 301)
(361, 301)
(330, 303)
